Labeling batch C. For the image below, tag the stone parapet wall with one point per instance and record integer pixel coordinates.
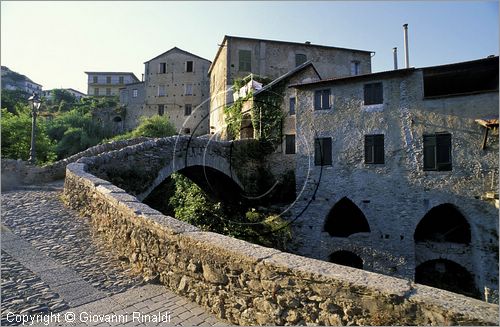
(18, 172)
(249, 284)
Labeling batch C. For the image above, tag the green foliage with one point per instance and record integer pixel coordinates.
(155, 126)
(59, 95)
(16, 137)
(234, 116)
(11, 98)
(192, 205)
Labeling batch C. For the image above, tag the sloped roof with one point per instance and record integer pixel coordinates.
(276, 41)
(291, 73)
(180, 50)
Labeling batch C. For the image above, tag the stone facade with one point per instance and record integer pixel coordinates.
(273, 59)
(133, 99)
(177, 86)
(108, 83)
(249, 284)
(395, 195)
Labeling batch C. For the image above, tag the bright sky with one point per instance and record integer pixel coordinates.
(53, 43)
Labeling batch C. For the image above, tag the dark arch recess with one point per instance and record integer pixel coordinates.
(345, 218)
(443, 223)
(346, 258)
(447, 275)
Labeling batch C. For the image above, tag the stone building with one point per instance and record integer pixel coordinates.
(15, 81)
(108, 83)
(238, 56)
(395, 172)
(132, 100)
(176, 86)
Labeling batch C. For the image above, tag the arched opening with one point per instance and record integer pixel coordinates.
(345, 218)
(246, 131)
(443, 223)
(117, 119)
(447, 275)
(346, 258)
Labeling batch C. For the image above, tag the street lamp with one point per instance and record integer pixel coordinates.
(35, 102)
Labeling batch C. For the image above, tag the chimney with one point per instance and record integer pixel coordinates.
(308, 42)
(407, 56)
(395, 53)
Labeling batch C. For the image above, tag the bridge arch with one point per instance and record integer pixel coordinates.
(346, 258)
(345, 218)
(448, 275)
(443, 223)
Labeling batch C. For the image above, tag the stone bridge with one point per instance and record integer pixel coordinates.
(222, 169)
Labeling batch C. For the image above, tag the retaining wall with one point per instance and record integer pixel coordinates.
(249, 284)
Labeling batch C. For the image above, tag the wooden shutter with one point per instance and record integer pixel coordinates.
(443, 151)
(292, 106)
(325, 99)
(289, 144)
(369, 149)
(327, 150)
(430, 152)
(317, 100)
(373, 93)
(323, 151)
(378, 149)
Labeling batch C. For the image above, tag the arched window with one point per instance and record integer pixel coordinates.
(447, 275)
(117, 119)
(346, 258)
(443, 223)
(345, 218)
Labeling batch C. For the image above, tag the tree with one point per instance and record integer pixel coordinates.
(59, 95)
(155, 126)
(16, 137)
(10, 98)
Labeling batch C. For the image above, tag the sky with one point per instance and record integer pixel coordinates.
(55, 42)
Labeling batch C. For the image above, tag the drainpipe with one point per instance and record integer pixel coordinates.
(395, 53)
(407, 56)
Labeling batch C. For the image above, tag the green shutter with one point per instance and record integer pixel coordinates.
(317, 100)
(378, 149)
(430, 152)
(318, 153)
(325, 99)
(443, 151)
(368, 149)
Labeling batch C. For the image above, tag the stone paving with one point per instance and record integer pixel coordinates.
(52, 264)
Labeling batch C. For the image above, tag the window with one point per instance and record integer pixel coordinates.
(188, 89)
(189, 66)
(187, 131)
(134, 93)
(323, 151)
(292, 106)
(290, 144)
(161, 109)
(437, 151)
(245, 60)
(96, 91)
(187, 109)
(373, 93)
(161, 90)
(95, 79)
(120, 79)
(322, 99)
(374, 149)
(354, 68)
(162, 68)
(108, 91)
(108, 79)
(300, 58)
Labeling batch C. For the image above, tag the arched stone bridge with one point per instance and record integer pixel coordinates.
(220, 168)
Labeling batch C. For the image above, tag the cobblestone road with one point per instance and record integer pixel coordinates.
(51, 263)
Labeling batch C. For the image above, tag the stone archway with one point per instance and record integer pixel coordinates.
(443, 223)
(345, 218)
(448, 275)
(346, 258)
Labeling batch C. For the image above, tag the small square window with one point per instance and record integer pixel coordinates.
(322, 99)
(187, 109)
(437, 152)
(323, 151)
(300, 58)
(374, 149)
(292, 106)
(373, 93)
(189, 66)
(290, 144)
